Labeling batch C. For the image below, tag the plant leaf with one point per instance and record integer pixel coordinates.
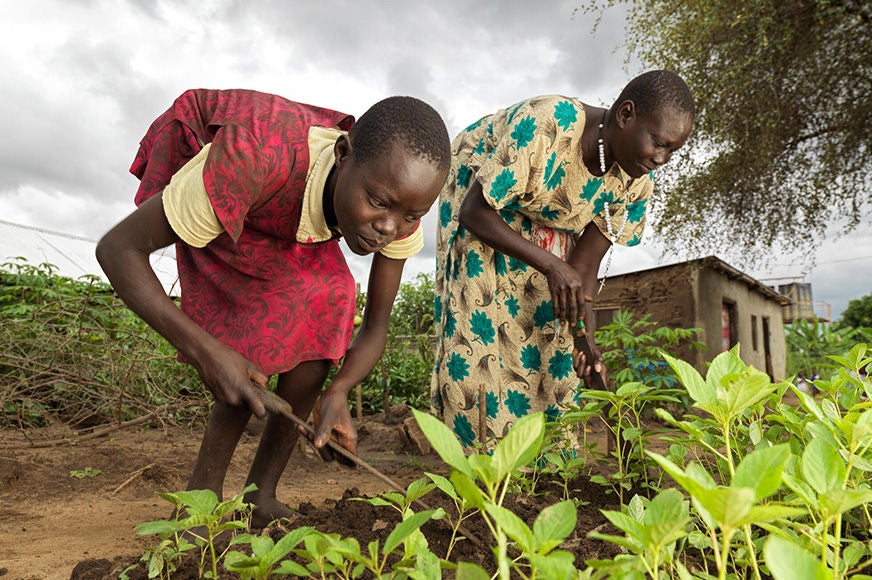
(787, 561)
(469, 571)
(404, 529)
(512, 525)
(822, 467)
(839, 501)
(761, 470)
(554, 524)
(467, 489)
(696, 387)
(443, 441)
(520, 445)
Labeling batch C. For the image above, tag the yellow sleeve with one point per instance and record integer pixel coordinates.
(406, 247)
(187, 206)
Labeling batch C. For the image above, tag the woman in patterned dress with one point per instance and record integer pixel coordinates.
(255, 191)
(536, 195)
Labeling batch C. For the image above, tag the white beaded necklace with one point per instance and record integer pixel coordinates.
(608, 216)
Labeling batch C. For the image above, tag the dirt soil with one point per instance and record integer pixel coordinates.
(56, 525)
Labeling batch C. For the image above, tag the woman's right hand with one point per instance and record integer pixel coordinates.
(567, 291)
(231, 378)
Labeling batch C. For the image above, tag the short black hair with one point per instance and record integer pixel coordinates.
(407, 120)
(658, 89)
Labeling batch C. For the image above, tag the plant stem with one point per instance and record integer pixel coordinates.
(751, 550)
(502, 554)
(725, 551)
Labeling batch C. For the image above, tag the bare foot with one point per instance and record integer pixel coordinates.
(268, 510)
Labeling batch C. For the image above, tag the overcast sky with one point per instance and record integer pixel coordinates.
(81, 80)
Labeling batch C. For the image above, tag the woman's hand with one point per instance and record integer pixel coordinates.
(566, 285)
(230, 377)
(332, 419)
(587, 369)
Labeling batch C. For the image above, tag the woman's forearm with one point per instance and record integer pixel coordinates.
(482, 220)
(369, 344)
(123, 253)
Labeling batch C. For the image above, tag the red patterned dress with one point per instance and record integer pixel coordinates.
(274, 300)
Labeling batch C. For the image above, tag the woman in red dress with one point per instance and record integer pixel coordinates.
(255, 191)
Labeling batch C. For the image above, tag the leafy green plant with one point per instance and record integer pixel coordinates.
(462, 506)
(623, 417)
(811, 344)
(483, 480)
(653, 529)
(266, 556)
(330, 554)
(403, 373)
(83, 473)
(73, 350)
(631, 349)
(201, 517)
(766, 477)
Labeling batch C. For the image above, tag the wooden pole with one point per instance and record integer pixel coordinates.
(358, 394)
(482, 414)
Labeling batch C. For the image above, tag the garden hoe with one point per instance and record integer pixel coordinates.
(276, 405)
(582, 345)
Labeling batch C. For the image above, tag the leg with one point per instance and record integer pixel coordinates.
(300, 387)
(225, 427)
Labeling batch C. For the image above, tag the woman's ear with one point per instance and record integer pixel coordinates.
(626, 113)
(342, 149)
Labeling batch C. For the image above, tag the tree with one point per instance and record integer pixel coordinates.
(784, 106)
(858, 314)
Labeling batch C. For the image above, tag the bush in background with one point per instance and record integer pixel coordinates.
(73, 350)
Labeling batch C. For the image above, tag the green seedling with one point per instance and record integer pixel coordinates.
(266, 556)
(566, 466)
(414, 541)
(482, 481)
(652, 531)
(330, 555)
(83, 473)
(463, 508)
(625, 408)
(401, 502)
(202, 517)
(161, 561)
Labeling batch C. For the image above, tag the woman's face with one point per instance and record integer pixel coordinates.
(383, 199)
(647, 142)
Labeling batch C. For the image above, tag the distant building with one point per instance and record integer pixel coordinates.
(73, 256)
(802, 305)
(729, 306)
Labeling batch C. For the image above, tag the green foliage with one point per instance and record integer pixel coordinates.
(623, 411)
(83, 473)
(403, 373)
(811, 344)
(73, 350)
(764, 489)
(631, 349)
(858, 313)
(482, 481)
(793, 482)
(784, 102)
(266, 555)
(201, 517)
(412, 314)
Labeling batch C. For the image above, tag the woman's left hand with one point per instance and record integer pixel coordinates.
(586, 369)
(332, 419)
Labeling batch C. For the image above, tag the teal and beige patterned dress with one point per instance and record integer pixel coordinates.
(493, 312)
